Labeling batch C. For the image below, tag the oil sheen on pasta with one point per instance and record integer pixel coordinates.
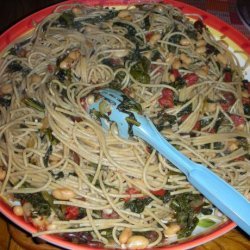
(67, 176)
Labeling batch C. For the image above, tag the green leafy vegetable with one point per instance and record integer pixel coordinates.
(5, 100)
(137, 205)
(40, 205)
(139, 71)
(186, 207)
(32, 103)
(102, 18)
(67, 19)
(206, 223)
(47, 155)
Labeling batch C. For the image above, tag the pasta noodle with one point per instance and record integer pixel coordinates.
(67, 175)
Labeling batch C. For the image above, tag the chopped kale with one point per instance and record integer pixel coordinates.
(47, 155)
(32, 103)
(218, 145)
(64, 75)
(66, 19)
(15, 66)
(175, 39)
(58, 175)
(210, 49)
(218, 122)
(164, 118)
(206, 211)
(205, 121)
(40, 205)
(192, 33)
(102, 18)
(199, 25)
(5, 100)
(51, 137)
(186, 207)
(246, 108)
(186, 110)
(137, 205)
(116, 83)
(139, 70)
(131, 32)
(155, 55)
(146, 25)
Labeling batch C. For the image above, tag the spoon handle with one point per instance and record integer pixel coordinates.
(220, 193)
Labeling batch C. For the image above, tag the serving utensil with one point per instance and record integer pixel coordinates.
(114, 106)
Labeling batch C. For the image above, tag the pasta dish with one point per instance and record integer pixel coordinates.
(67, 176)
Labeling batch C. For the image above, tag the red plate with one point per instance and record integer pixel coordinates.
(28, 23)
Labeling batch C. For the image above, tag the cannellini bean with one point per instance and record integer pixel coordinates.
(169, 57)
(137, 242)
(125, 235)
(27, 209)
(172, 77)
(66, 63)
(6, 89)
(211, 107)
(52, 227)
(184, 41)
(77, 11)
(120, 52)
(172, 229)
(154, 38)
(245, 94)
(123, 13)
(35, 78)
(232, 145)
(222, 58)
(148, 54)
(74, 54)
(176, 64)
(39, 222)
(240, 127)
(63, 194)
(201, 50)
(185, 59)
(201, 43)
(18, 210)
(2, 174)
(90, 99)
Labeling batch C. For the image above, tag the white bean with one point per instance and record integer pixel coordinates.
(35, 78)
(2, 174)
(201, 50)
(185, 59)
(18, 210)
(27, 209)
(201, 43)
(123, 13)
(90, 99)
(137, 242)
(172, 229)
(184, 41)
(222, 58)
(63, 194)
(77, 11)
(154, 38)
(176, 64)
(74, 54)
(125, 235)
(6, 89)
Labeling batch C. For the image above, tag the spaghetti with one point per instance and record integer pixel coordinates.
(68, 176)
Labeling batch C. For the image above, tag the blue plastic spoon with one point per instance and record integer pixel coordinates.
(114, 106)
